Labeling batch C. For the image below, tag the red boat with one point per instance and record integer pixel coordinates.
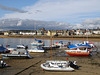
(78, 52)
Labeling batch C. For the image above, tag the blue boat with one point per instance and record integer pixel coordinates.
(79, 46)
(3, 49)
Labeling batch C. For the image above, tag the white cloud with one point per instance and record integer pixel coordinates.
(91, 23)
(50, 10)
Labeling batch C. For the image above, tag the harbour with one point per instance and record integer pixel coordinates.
(32, 66)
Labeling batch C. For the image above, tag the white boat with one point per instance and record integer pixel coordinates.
(61, 44)
(20, 47)
(17, 54)
(37, 42)
(11, 49)
(57, 66)
(36, 49)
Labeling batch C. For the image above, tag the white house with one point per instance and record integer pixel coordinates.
(96, 31)
(27, 33)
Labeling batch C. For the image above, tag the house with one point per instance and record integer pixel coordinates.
(6, 33)
(87, 32)
(96, 31)
(71, 32)
(59, 32)
(51, 33)
(27, 32)
(41, 31)
(79, 32)
(13, 33)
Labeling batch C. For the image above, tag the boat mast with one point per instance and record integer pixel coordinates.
(51, 45)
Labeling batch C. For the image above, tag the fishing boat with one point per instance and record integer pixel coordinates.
(37, 42)
(78, 52)
(57, 66)
(17, 54)
(36, 49)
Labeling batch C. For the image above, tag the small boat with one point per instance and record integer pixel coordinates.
(49, 47)
(36, 49)
(61, 44)
(37, 43)
(78, 52)
(3, 49)
(17, 54)
(20, 47)
(57, 66)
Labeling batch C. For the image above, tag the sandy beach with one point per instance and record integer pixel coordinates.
(88, 65)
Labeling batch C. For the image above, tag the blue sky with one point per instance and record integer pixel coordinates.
(71, 11)
(19, 4)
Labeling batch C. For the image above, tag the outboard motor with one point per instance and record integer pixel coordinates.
(73, 64)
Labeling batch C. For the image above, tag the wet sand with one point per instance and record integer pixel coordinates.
(88, 65)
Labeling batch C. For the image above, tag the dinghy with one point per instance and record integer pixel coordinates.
(57, 66)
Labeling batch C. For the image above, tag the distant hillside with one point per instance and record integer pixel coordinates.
(32, 24)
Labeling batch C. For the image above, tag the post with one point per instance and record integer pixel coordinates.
(51, 45)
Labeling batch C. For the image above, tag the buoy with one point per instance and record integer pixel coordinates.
(67, 58)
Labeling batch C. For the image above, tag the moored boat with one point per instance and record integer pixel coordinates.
(37, 42)
(49, 47)
(17, 54)
(20, 46)
(3, 49)
(87, 43)
(57, 66)
(78, 46)
(78, 52)
(60, 43)
(36, 49)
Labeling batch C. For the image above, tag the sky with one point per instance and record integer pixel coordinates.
(70, 11)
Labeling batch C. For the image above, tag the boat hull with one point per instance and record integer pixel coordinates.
(15, 56)
(57, 69)
(78, 53)
(36, 51)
